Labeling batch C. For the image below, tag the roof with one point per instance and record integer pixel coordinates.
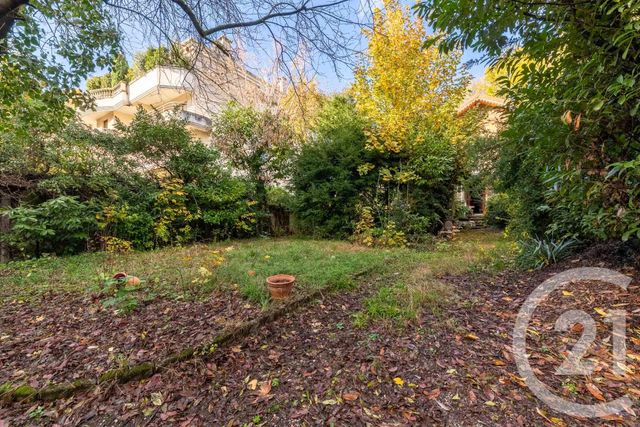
(482, 99)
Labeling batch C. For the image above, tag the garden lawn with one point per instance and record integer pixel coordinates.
(55, 327)
(360, 358)
(177, 273)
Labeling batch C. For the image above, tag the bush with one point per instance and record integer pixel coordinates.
(462, 211)
(172, 189)
(498, 210)
(259, 146)
(62, 226)
(538, 253)
(326, 180)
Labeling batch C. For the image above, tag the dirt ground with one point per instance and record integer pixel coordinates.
(313, 367)
(67, 336)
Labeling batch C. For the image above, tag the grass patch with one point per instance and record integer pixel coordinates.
(195, 271)
(178, 272)
(417, 287)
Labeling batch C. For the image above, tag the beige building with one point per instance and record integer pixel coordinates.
(214, 79)
(493, 107)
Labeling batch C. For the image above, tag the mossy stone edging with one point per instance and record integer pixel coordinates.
(12, 393)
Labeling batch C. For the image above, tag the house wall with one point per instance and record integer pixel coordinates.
(214, 80)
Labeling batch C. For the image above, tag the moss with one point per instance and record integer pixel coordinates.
(5, 387)
(57, 391)
(23, 392)
(178, 357)
(143, 370)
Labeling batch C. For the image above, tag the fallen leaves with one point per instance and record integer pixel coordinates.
(601, 312)
(595, 392)
(471, 336)
(433, 394)
(398, 381)
(157, 399)
(351, 396)
(553, 420)
(265, 388)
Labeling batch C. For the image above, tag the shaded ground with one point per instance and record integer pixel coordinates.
(314, 367)
(69, 336)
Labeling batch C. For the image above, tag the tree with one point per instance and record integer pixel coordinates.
(408, 96)
(326, 181)
(571, 82)
(48, 47)
(39, 70)
(258, 144)
(404, 89)
(301, 103)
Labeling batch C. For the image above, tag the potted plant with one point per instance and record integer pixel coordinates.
(280, 285)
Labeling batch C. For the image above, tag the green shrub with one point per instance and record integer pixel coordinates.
(498, 207)
(259, 146)
(573, 102)
(538, 253)
(120, 295)
(462, 211)
(62, 226)
(326, 181)
(90, 198)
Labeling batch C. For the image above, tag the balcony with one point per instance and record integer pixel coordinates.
(192, 118)
(197, 120)
(158, 86)
(111, 98)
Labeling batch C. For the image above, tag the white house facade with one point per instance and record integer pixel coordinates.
(196, 94)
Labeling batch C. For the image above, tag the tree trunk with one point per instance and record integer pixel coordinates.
(9, 10)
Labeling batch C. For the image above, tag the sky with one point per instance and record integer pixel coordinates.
(328, 80)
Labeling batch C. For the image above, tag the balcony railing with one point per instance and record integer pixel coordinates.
(170, 81)
(181, 111)
(196, 119)
(159, 78)
(109, 92)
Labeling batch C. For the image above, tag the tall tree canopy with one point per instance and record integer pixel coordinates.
(573, 137)
(403, 88)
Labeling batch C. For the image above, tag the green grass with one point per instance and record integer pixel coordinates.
(177, 272)
(418, 287)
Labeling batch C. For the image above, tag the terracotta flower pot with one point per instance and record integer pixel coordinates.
(280, 285)
(120, 275)
(133, 281)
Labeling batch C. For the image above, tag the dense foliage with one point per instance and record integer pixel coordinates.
(39, 74)
(569, 154)
(407, 96)
(147, 185)
(326, 180)
(257, 144)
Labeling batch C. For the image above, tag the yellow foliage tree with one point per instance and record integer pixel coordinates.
(405, 88)
(302, 103)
